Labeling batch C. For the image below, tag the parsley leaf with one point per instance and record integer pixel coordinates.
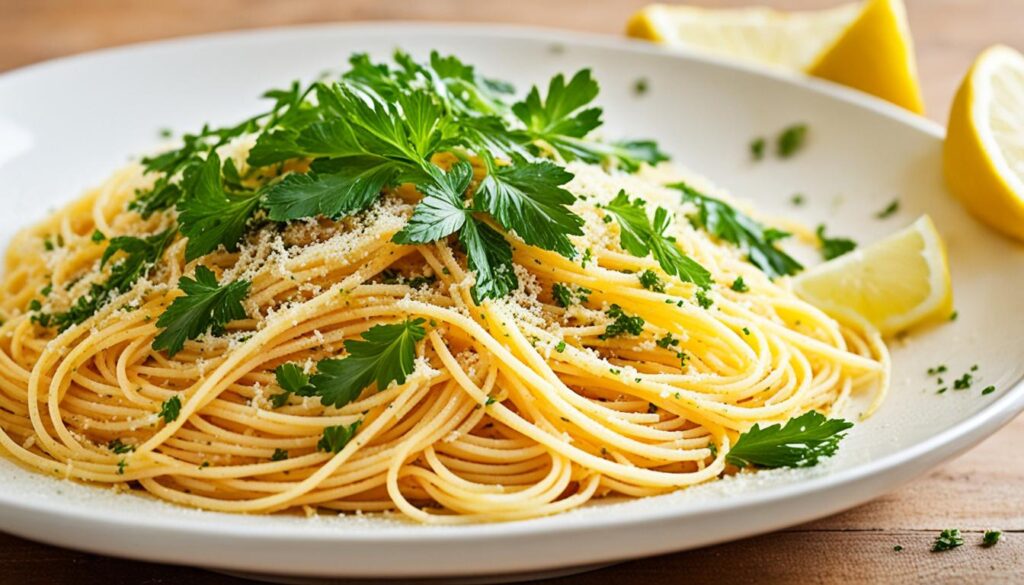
(561, 121)
(889, 210)
(739, 286)
(170, 409)
(528, 198)
(209, 215)
(385, 355)
(119, 447)
(279, 455)
(335, 438)
(489, 255)
(292, 380)
(205, 305)
(801, 442)
(355, 183)
(727, 223)
(442, 211)
(640, 237)
(833, 247)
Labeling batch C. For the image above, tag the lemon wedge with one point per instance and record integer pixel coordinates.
(983, 156)
(866, 45)
(895, 283)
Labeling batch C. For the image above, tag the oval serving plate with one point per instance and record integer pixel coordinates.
(67, 124)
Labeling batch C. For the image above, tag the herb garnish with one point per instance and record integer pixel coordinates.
(118, 447)
(566, 295)
(791, 140)
(801, 442)
(948, 539)
(833, 247)
(739, 286)
(622, 324)
(640, 237)
(727, 223)
(279, 455)
(991, 538)
(204, 306)
(335, 438)
(757, 146)
(170, 409)
(650, 280)
(889, 210)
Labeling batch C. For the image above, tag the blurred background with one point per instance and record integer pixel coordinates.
(948, 33)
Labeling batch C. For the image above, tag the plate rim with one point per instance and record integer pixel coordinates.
(974, 428)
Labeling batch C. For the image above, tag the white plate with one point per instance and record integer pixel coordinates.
(65, 125)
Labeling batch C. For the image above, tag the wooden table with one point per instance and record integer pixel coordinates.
(982, 489)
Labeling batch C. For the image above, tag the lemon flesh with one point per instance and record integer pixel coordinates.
(896, 283)
(864, 45)
(983, 155)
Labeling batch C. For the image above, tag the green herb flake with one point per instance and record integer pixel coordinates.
(170, 409)
(651, 281)
(622, 324)
(833, 247)
(988, 390)
(279, 455)
(889, 210)
(335, 438)
(757, 147)
(118, 447)
(948, 539)
(560, 347)
(97, 236)
(791, 140)
(991, 538)
(797, 199)
(739, 286)
(641, 86)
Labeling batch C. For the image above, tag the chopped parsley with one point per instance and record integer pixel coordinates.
(963, 382)
(335, 438)
(988, 390)
(667, 341)
(954, 315)
(939, 369)
(97, 236)
(292, 380)
(205, 306)
(948, 539)
(797, 199)
(991, 538)
(791, 140)
(801, 442)
(833, 247)
(739, 286)
(641, 86)
(889, 210)
(170, 409)
(897, 548)
(757, 147)
(703, 299)
(560, 347)
(725, 222)
(622, 324)
(651, 281)
(566, 295)
(118, 447)
(279, 455)
(641, 237)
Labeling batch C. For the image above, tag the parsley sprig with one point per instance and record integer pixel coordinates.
(642, 237)
(384, 355)
(727, 223)
(206, 305)
(802, 442)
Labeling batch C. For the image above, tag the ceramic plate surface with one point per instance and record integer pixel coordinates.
(67, 124)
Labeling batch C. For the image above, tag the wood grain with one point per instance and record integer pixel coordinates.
(980, 490)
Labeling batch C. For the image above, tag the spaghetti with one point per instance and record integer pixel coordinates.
(515, 407)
